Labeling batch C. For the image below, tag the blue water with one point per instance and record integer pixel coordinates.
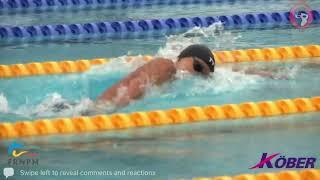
(150, 12)
(173, 152)
(225, 86)
(232, 39)
(178, 152)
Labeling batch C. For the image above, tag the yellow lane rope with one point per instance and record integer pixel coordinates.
(158, 117)
(309, 174)
(246, 55)
(50, 67)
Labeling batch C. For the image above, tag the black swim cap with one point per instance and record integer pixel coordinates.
(200, 51)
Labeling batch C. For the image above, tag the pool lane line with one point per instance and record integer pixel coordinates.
(308, 174)
(155, 118)
(145, 27)
(49, 67)
(284, 53)
(23, 6)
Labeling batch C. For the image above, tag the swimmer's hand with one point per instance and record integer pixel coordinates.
(99, 108)
(267, 72)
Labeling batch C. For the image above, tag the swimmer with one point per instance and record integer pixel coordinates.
(304, 18)
(195, 59)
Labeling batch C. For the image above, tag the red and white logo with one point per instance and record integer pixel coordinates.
(301, 15)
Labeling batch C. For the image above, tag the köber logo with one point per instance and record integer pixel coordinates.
(301, 15)
(283, 162)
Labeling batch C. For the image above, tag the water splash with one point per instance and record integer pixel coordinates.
(4, 106)
(224, 80)
(292, 72)
(174, 44)
(55, 105)
(213, 35)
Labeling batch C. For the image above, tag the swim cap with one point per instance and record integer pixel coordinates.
(200, 51)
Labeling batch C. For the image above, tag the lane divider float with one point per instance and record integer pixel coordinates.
(309, 174)
(16, 6)
(126, 29)
(49, 67)
(20, 6)
(158, 117)
(243, 55)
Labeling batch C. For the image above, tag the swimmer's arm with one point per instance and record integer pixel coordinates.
(269, 72)
(312, 64)
(134, 85)
(259, 72)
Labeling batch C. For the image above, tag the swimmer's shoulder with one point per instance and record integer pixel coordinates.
(164, 64)
(159, 70)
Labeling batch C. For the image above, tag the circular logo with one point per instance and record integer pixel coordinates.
(301, 16)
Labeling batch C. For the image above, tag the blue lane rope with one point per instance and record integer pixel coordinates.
(17, 6)
(144, 27)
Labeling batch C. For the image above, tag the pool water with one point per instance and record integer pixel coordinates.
(173, 152)
(296, 79)
(178, 152)
(148, 12)
(215, 39)
(221, 40)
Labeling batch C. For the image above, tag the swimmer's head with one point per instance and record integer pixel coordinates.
(302, 15)
(196, 59)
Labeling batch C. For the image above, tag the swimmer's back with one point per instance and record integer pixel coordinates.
(133, 86)
(161, 70)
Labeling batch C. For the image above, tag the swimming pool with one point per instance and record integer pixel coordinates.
(173, 152)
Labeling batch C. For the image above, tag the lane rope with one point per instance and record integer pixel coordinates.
(22, 6)
(149, 27)
(309, 174)
(243, 55)
(158, 117)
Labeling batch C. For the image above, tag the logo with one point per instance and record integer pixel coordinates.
(211, 61)
(283, 162)
(22, 155)
(16, 150)
(301, 15)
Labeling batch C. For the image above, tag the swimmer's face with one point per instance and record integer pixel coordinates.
(193, 65)
(302, 15)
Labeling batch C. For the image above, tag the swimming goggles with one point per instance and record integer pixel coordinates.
(198, 66)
